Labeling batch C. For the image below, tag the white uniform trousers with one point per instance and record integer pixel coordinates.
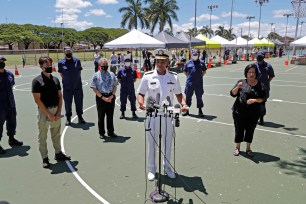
(153, 123)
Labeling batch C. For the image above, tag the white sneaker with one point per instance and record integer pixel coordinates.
(170, 174)
(151, 176)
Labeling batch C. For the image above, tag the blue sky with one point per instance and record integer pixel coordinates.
(81, 14)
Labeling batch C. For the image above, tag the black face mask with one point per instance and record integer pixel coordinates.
(104, 68)
(2, 65)
(48, 70)
(69, 55)
(260, 58)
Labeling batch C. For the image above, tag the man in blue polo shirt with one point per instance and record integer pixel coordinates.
(70, 69)
(7, 105)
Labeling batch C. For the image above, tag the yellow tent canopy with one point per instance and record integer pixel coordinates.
(255, 42)
(209, 43)
(267, 43)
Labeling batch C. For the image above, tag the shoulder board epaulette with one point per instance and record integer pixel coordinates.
(150, 72)
(172, 72)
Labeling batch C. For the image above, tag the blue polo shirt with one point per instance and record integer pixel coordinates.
(7, 82)
(127, 77)
(71, 71)
(194, 71)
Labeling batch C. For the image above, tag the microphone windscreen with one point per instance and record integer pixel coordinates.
(157, 98)
(177, 106)
(169, 101)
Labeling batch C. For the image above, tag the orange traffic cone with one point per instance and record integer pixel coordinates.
(286, 62)
(226, 62)
(209, 65)
(16, 71)
(138, 75)
(53, 68)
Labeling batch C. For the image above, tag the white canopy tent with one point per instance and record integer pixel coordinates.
(239, 42)
(300, 42)
(224, 42)
(135, 39)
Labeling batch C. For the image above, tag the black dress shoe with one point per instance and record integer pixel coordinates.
(201, 113)
(61, 157)
(46, 163)
(68, 121)
(186, 113)
(112, 134)
(102, 137)
(134, 115)
(122, 116)
(81, 119)
(14, 142)
(2, 151)
(261, 120)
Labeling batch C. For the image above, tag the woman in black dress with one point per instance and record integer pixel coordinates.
(249, 94)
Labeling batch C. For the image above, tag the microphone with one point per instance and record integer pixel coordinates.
(150, 104)
(157, 100)
(176, 111)
(169, 101)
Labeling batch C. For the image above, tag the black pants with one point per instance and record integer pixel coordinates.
(105, 108)
(244, 127)
(8, 115)
(96, 66)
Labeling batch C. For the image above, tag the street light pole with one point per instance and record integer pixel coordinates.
(62, 26)
(249, 18)
(287, 15)
(260, 2)
(271, 26)
(232, 14)
(301, 28)
(195, 18)
(211, 8)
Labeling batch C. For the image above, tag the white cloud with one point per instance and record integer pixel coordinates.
(235, 14)
(96, 12)
(107, 2)
(108, 16)
(72, 4)
(280, 13)
(205, 17)
(70, 10)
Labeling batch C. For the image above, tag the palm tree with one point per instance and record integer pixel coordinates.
(192, 31)
(161, 12)
(133, 14)
(221, 31)
(205, 30)
(229, 35)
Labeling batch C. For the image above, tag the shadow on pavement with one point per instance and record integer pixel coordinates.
(297, 167)
(260, 157)
(61, 167)
(16, 151)
(139, 119)
(272, 125)
(84, 126)
(206, 117)
(4, 202)
(118, 139)
(189, 184)
(180, 201)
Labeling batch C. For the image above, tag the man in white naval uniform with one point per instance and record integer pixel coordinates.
(161, 85)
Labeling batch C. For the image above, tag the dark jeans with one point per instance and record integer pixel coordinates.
(68, 95)
(105, 108)
(8, 115)
(244, 127)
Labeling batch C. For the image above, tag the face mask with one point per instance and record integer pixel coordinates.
(48, 70)
(260, 58)
(127, 64)
(104, 68)
(195, 58)
(2, 65)
(69, 55)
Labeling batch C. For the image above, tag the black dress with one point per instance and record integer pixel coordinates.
(246, 115)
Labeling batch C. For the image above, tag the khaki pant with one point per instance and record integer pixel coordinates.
(55, 129)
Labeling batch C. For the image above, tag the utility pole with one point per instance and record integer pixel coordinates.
(260, 2)
(232, 14)
(211, 8)
(287, 15)
(195, 18)
(301, 28)
(62, 25)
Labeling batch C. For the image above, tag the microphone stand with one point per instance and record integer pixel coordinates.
(159, 195)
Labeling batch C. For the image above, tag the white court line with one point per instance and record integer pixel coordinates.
(291, 69)
(73, 171)
(101, 199)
